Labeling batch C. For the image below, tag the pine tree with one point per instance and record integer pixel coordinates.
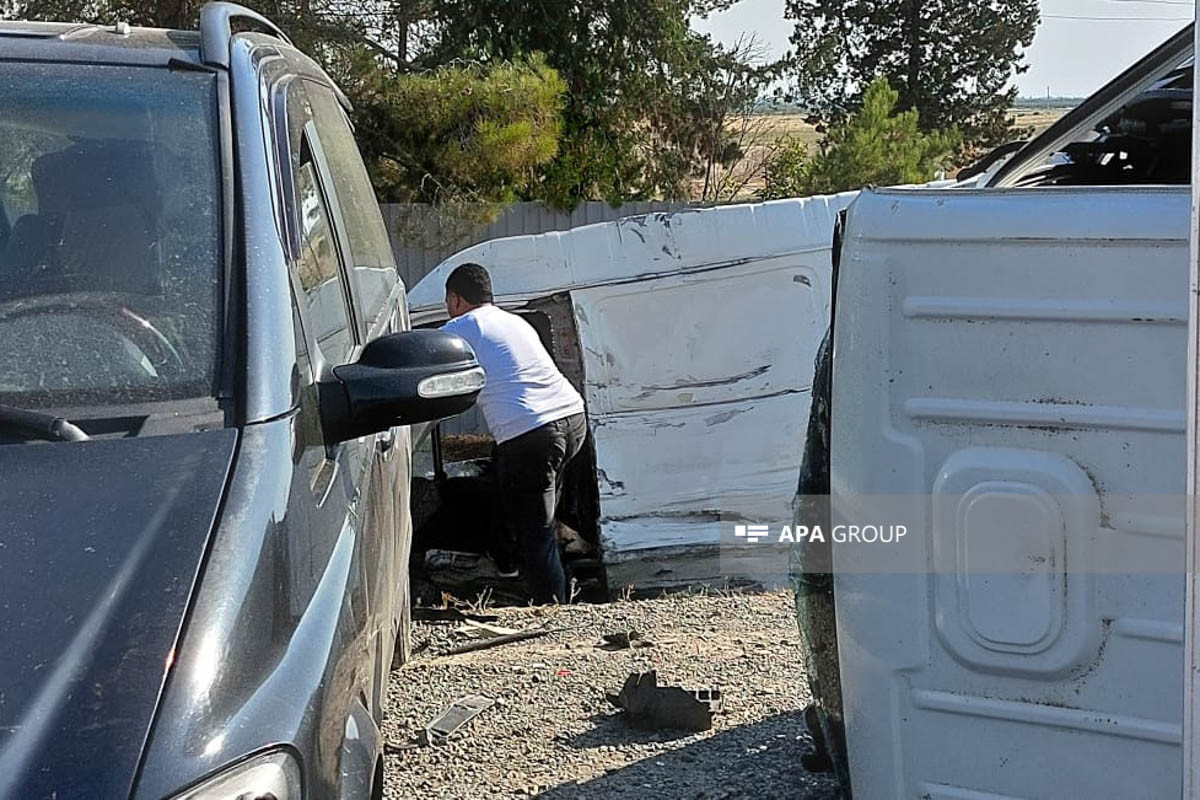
(877, 147)
(950, 60)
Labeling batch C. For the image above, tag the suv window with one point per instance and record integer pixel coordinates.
(373, 272)
(110, 235)
(317, 270)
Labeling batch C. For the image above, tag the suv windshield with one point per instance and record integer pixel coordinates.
(110, 235)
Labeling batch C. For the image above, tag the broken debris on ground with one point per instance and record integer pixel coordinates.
(496, 641)
(623, 640)
(649, 706)
(552, 734)
(453, 718)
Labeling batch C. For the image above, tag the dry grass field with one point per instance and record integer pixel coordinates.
(1037, 118)
(765, 131)
(777, 126)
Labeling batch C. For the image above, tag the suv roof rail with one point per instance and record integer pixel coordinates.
(216, 31)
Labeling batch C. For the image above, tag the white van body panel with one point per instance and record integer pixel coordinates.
(1027, 346)
(698, 331)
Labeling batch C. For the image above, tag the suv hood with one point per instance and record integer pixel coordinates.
(100, 543)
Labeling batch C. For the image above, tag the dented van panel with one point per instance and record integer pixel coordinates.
(696, 332)
(1023, 349)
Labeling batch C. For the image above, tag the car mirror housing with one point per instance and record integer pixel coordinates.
(401, 379)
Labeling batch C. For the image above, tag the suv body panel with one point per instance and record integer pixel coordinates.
(282, 622)
(329, 525)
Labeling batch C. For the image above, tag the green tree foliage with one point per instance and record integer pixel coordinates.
(475, 132)
(306, 21)
(877, 147)
(950, 60)
(785, 173)
(166, 14)
(647, 98)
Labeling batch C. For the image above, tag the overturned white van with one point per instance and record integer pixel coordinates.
(691, 336)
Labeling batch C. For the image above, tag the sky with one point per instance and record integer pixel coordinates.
(1069, 57)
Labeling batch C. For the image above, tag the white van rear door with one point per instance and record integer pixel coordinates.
(1191, 690)
(1020, 350)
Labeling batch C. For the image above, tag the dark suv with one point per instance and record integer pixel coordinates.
(206, 377)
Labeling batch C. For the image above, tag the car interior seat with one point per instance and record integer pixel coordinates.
(96, 226)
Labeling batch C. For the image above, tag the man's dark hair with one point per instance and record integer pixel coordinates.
(471, 282)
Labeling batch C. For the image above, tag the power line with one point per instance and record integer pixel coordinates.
(1116, 19)
(1157, 2)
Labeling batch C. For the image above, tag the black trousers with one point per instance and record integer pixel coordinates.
(530, 471)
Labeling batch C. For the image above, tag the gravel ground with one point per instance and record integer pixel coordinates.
(552, 734)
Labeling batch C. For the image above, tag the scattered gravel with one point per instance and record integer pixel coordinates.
(552, 733)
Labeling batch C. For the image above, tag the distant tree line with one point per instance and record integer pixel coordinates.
(1055, 101)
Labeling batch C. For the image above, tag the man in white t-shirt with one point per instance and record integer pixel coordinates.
(535, 415)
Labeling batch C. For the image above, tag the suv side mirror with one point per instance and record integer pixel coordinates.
(401, 379)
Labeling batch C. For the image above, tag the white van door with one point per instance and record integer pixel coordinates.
(698, 383)
(1009, 369)
(698, 390)
(1191, 690)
